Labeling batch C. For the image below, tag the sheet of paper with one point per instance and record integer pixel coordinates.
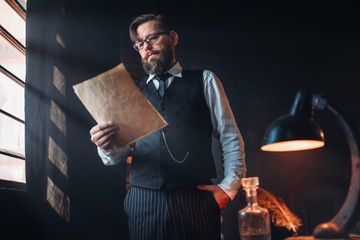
(113, 95)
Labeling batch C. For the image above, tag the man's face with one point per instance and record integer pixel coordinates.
(158, 57)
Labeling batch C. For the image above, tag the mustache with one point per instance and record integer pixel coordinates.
(152, 52)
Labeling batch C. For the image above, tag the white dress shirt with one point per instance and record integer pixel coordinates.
(224, 129)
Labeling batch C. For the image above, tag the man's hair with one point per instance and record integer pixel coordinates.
(159, 18)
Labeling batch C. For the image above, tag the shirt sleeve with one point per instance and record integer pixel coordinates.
(227, 132)
(116, 155)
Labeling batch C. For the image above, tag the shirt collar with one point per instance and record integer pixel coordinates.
(175, 70)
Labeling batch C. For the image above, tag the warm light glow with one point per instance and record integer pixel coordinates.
(58, 116)
(58, 200)
(10, 57)
(59, 81)
(12, 169)
(58, 157)
(12, 22)
(296, 145)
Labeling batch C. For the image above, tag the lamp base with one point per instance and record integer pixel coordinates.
(312, 238)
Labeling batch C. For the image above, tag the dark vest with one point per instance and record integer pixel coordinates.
(180, 153)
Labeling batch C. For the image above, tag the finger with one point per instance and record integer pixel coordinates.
(95, 136)
(108, 145)
(101, 138)
(97, 128)
(106, 138)
(101, 127)
(204, 187)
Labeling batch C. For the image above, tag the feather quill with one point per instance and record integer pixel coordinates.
(280, 214)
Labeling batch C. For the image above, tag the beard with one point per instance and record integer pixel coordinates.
(159, 65)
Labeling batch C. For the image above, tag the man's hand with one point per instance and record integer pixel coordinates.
(220, 196)
(103, 135)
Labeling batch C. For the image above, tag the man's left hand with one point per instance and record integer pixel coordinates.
(220, 196)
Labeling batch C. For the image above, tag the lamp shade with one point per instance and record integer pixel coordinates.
(296, 130)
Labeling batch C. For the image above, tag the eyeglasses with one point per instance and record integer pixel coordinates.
(151, 39)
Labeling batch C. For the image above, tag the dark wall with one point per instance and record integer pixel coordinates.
(262, 52)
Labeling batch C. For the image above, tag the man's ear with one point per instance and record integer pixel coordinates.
(174, 38)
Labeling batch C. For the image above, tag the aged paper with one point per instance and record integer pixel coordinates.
(114, 96)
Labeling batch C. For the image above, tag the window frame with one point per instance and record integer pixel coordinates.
(16, 6)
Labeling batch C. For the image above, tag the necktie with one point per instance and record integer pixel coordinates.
(162, 78)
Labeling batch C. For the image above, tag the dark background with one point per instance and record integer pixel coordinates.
(262, 51)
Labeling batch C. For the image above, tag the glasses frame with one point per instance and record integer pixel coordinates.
(139, 45)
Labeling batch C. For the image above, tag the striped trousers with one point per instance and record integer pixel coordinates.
(184, 213)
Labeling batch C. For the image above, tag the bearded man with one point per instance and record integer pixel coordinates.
(172, 195)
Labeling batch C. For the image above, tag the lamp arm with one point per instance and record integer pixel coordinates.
(349, 214)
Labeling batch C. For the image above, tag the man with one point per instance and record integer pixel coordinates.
(171, 194)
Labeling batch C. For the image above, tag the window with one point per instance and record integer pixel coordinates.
(12, 86)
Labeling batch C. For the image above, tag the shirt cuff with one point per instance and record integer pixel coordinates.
(229, 192)
(231, 185)
(115, 156)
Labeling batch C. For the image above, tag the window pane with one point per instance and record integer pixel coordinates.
(23, 3)
(12, 169)
(11, 97)
(12, 22)
(12, 59)
(11, 135)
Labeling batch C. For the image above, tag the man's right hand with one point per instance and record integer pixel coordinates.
(103, 135)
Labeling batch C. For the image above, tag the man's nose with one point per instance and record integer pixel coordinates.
(147, 46)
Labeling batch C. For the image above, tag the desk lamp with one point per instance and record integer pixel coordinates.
(298, 131)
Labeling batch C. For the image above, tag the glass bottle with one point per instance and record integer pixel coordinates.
(254, 221)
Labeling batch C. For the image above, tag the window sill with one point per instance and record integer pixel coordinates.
(12, 186)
